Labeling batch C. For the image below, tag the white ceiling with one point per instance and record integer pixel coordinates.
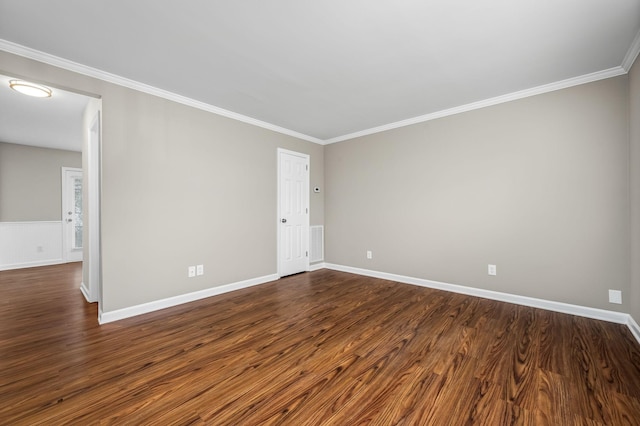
(54, 122)
(332, 68)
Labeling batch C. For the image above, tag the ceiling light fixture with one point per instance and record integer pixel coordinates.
(30, 89)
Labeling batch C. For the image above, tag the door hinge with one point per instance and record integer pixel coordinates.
(307, 210)
(307, 253)
(306, 167)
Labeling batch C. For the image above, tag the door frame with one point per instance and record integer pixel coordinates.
(307, 157)
(92, 290)
(65, 199)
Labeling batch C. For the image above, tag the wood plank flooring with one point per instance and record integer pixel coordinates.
(321, 348)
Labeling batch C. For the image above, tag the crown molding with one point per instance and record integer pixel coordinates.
(56, 61)
(563, 84)
(632, 53)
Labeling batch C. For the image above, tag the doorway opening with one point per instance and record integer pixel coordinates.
(53, 146)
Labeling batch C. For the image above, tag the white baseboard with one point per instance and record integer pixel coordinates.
(317, 266)
(85, 292)
(583, 311)
(118, 314)
(635, 329)
(31, 264)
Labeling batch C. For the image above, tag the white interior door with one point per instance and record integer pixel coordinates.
(293, 212)
(72, 226)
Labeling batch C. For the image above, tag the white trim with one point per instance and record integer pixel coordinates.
(317, 266)
(29, 221)
(33, 264)
(566, 308)
(632, 53)
(110, 316)
(635, 329)
(564, 84)
(85, 292)
(92, 256)
(56, 61)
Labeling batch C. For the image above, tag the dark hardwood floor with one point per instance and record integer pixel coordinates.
(324, 348)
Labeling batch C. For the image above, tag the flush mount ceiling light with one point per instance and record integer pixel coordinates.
(30, 89)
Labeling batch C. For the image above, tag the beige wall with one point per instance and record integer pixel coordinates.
(634, 134)
(180, 187)
(537, 186)
(187, 187)
(30, 182)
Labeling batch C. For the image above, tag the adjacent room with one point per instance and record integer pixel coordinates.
(332, 213)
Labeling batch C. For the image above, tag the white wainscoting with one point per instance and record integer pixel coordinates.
(26, 244)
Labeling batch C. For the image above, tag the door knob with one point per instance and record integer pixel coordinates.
(284, 221)
(69, 220)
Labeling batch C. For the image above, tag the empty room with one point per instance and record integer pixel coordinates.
(320, 213)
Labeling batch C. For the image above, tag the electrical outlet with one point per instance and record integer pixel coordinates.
(615, 296)
(492, 270)
(200, 270)
(369, 254)
(192, 271)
